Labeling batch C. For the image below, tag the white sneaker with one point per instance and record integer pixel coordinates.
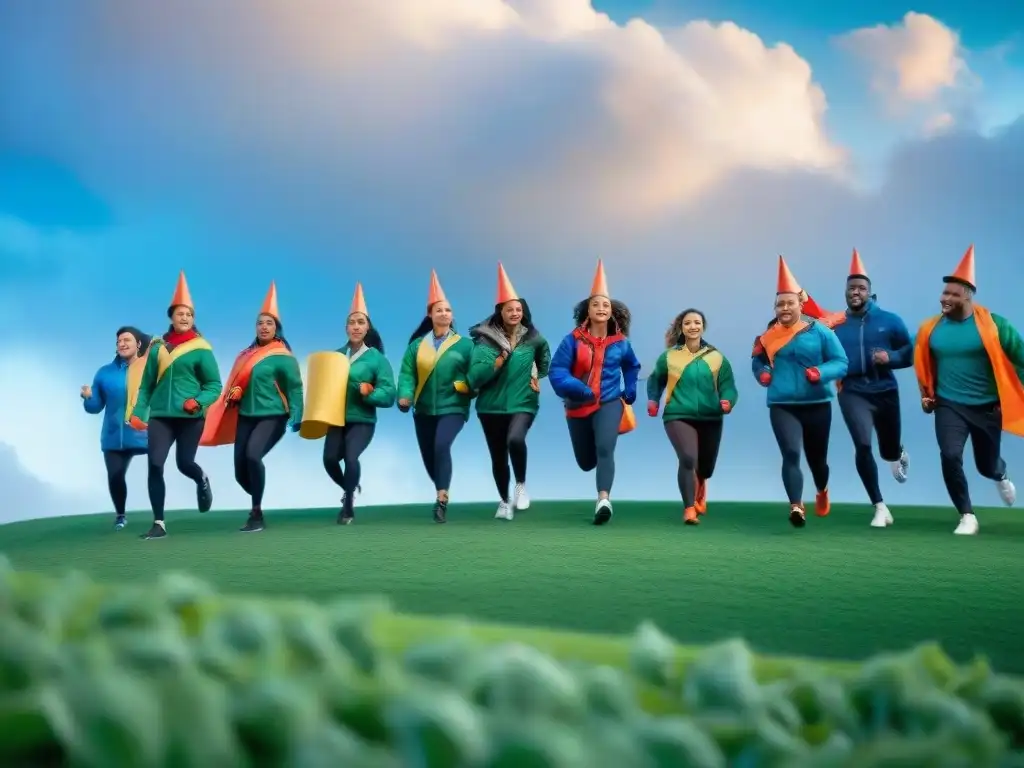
(883, 517)
(1007, 492)
(522, 498)
(901, 467)
(968, 525)
(602, 512)
(504, 511)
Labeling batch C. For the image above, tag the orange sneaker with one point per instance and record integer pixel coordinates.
(700, 501)
(822, 504)
(797, 516)
(690, 516)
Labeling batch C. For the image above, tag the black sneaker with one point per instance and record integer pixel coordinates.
(440, 511)
(120, 522)
(204, 495)
(156, 532)
(253, 525)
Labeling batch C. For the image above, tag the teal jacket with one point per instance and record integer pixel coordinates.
(814, 346)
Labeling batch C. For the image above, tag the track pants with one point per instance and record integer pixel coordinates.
(184, 434)
(254, 439)
(505, 434)
(594, 438)
(696, 443)
(954, 424)
(804, 427)
(866, 414)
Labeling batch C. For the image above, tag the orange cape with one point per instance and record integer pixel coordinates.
(222, 418)
(778, 336)
(1008, 383)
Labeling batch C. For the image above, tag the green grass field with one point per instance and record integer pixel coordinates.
(837, 589)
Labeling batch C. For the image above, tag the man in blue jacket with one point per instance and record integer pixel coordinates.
(877, 343)
(113, 392)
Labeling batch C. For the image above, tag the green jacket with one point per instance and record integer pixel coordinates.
(274, 380)
(696, 383)
(368, 366)
(507, 389)
(428, 378)
(189, 372)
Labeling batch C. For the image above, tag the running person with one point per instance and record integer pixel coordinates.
(970, 367)
(509, 359)
(876, 343)
(371, 386)
(699, 387)
(595, 372)
(795, 359)
(262, 399)
(433, 382)
(113, 392)
(180, 381)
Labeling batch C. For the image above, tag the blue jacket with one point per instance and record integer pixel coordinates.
(110, 395)
(583, 389)
(816, 346)
(860, 336)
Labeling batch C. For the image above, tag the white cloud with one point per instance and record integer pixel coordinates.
(624, 122)
(915, 60)
(51, 464)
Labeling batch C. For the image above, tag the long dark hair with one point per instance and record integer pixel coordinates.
(372, 337)
(619, 322)
(426, 324)
(674, 335)
(496, 322)
(278, 335)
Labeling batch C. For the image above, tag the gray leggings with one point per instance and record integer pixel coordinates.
(593, 442)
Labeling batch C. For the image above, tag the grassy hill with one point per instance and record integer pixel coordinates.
(837, 589)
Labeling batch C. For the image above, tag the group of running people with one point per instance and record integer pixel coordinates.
(166, 392)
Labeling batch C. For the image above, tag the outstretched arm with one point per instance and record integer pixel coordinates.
(835, 362)
(560, 375)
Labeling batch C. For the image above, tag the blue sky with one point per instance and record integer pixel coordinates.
(366, 142)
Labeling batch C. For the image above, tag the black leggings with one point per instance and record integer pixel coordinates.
(593, 439)
(254, 438)
(435, 435)
(807, 427)
(117, 463)
(505, 434)
(184, 435)
(346, 444)
(696, 444)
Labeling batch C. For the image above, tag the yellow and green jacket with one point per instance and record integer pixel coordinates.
(187, 372)
(694, 384)
(434, 375)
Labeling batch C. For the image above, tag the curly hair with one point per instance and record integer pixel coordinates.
(619, 322)
(674, 333)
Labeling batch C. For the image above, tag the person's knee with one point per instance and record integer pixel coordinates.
(862, 448)
(688, 461)
(516, 442)
(790, 456)
(253, 458)
(950, 457)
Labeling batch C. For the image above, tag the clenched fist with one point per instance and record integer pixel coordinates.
(365, 389)
(86, 392)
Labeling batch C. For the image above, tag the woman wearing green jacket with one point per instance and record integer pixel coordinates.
(699, 388)
(509, 358)
(181, 380)
(371, 385)
(433, 382)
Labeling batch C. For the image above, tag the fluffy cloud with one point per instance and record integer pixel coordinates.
(350, 98)
(915, 62)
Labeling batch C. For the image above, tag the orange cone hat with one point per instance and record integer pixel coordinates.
(964, 273)
(506, 291)
(787, 282)
(436, 291)
(270, 303)
(857, 268)
(359, 302)
(182, 296)
(600, 284)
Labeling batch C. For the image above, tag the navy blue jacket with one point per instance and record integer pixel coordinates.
(861, 335)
